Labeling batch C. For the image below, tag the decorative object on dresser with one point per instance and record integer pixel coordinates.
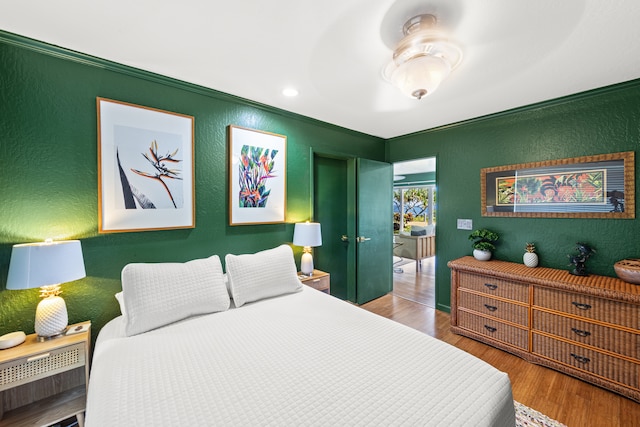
(530, 257)
(483, 243)
(578, 260)
(586, 327)
(47, 265)
(628, 270)
(319, 280)
(307, 234)
(45, 382)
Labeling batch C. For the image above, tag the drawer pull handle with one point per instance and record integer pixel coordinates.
(580, 359)
(581, 306)
(316, 280)
(490, 328)
(491, 286)
(491, 307)
(38, 357)
(580, 332)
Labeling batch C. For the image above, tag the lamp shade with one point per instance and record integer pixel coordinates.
(307, 234)
(47, 263)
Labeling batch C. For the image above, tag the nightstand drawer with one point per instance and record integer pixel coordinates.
(40, 365)
(319, 283)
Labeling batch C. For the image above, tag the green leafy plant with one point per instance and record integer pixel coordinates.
(483, 239)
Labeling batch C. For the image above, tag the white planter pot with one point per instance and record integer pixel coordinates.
(481, 255)
(530, 259)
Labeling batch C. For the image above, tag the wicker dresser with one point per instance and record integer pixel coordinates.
(587, 327)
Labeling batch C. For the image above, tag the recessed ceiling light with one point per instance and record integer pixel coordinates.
(290, 92)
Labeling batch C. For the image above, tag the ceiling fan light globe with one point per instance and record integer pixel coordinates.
(420, 76)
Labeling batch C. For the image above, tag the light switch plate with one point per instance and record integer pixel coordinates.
(465, 224)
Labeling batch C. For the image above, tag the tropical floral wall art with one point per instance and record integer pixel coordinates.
(257, 176)
(146, 168)
(574, 187)
(599, 186)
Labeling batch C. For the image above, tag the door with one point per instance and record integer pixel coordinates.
(374, 241)
(352, 198)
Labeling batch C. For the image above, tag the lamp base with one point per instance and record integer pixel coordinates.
(306, 264)
(51, 317)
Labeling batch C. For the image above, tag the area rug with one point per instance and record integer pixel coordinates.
(527, 417)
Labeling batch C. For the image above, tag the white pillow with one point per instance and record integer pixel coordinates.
(162, 293)
(262, 275)
(120, 299)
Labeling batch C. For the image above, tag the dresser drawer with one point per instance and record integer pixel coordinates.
(493, 286)
(495, 329)
(618, 313)
(488, 306)
(39, 365)
(610, 367)
(614, 340)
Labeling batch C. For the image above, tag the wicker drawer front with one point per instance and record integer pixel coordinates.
(494, 329)
(493, 286)
(618, 313)
(24, 370)
(610, 367)
(503, 310)
(615, 340)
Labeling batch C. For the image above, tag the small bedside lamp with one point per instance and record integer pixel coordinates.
(307, 234)
(47, 265)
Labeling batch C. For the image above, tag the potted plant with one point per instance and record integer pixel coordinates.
(483, 243)
(530, 257)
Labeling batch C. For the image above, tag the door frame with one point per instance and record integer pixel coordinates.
(351, 210)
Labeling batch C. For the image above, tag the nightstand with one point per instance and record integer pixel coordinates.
(44, 382)
(319, 280)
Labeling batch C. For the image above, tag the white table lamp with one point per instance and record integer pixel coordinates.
(47, 265)
(307, 234)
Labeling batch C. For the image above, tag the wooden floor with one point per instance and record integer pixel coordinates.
(418, 286)
(559, 396)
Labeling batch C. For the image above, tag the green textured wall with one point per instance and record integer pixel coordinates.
(48, 141)
(606, 120)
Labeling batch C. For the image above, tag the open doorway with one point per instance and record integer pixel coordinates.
(414, 221)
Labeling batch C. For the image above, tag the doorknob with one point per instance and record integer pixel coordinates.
(361, 239)
(344, 238)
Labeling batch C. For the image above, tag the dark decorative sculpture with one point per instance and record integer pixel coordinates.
(584, 252)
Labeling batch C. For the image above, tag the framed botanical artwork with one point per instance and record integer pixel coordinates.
(600, 186)
(257, 176)
(145, 168)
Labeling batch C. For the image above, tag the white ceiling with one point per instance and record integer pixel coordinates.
(516, 52)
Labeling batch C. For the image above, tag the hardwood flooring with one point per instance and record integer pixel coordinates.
(417, 286)
(559, 396)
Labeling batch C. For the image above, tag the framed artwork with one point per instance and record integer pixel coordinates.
(601, 186)
(257, 176)
(145, 168)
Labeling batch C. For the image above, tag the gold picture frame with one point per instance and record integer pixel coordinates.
(599, 186)
(257, 177)
(145, 168)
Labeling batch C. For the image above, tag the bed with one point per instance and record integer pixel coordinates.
(285, 356)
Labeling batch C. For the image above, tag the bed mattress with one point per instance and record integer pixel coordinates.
(299, 359)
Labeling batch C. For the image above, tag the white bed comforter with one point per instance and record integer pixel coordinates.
(299, 359)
